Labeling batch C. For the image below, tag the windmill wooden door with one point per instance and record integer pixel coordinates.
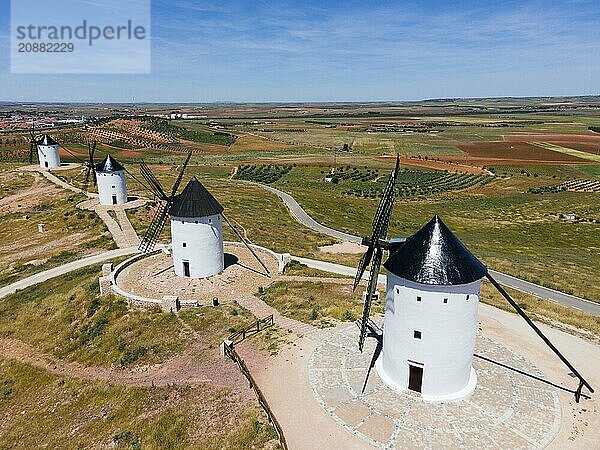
(415, 378)
(186, 268)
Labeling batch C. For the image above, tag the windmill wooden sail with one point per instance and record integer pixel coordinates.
(376, 244)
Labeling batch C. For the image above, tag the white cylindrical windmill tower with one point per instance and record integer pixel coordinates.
(196, 232)
(48, 155)
(430, 324)
(110, 177)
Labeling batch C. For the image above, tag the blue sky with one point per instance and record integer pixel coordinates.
(206, 51)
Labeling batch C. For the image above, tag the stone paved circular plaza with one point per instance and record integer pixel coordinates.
(154, 277)
(507, 410)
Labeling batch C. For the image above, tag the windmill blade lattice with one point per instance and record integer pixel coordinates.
(32, 143)
(374, 253)
(91, 168)
(155, 228)
(180, 177)
(160, 216)
(380, 223)
(372, 286)
(154, 185)
(362, 265)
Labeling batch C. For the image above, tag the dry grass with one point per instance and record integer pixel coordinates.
(317, 303)
(38, 409)
(28, 200)
(65, 317)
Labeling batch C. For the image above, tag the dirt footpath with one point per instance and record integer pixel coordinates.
(28, 198)
(188, 368)
(284, 382)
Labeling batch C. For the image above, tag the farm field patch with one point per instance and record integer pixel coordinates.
(511, 152)
(549, 136)
(569, 151)
(588, 147)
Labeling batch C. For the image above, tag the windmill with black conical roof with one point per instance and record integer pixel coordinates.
(196, 226)
(47, 151)
(109, 176)
(433, 285)
(432, 299)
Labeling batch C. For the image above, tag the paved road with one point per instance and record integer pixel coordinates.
(505, 280)
(301, 216)
(335, 268)
(547, 293)
(66, 268)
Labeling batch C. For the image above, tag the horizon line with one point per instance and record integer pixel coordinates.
(300, 102)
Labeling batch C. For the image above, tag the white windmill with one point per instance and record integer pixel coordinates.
(196, 232)
(432, 298)
(110, 179)
(196, 226)
(108, 176)
(430, 321)
(47, 151)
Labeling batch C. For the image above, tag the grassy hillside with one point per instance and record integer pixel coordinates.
(38, 409)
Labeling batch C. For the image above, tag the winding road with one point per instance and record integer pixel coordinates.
(302, 217)
(509, 281)
(298, 213)
(66, 268)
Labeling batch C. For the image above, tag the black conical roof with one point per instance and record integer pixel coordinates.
(46, 139)
(195, 201)
(434, 255)
(109, 164)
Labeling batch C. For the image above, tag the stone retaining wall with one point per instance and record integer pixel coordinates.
(138, 300)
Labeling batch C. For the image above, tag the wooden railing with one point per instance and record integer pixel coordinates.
(229, 351)
(257, 326)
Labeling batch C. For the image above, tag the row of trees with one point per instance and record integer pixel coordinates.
(262, 174)
(420, 184)
(208, 137)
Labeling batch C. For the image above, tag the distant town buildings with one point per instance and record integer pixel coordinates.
(179, 115)
(16, 121)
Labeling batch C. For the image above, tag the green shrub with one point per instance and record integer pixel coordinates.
(348, 315)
